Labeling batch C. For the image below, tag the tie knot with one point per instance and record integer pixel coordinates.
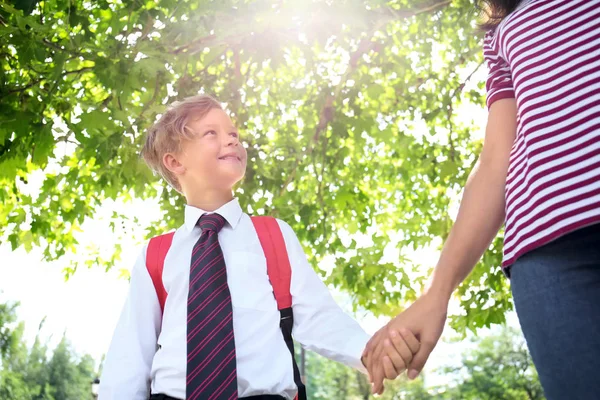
(212, 222)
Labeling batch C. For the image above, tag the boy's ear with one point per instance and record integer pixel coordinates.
(171, 162)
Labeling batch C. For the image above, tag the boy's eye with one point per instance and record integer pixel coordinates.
(235, 134)
(211, 132)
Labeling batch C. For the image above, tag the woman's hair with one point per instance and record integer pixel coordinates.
(494, 11)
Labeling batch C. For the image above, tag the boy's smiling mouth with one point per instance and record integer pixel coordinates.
(231, 156)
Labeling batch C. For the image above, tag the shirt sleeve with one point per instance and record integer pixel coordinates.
(499, 84)
(320, 325)
(127, 367)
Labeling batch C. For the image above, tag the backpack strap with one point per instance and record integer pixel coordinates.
(155, 263)
(280, 276)
(278, 263)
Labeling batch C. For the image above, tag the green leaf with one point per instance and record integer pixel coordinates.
(375, 91)
(44, 145)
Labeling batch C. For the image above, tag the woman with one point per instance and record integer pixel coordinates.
(539, 173)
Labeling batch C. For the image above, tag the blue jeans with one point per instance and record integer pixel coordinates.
(556, 289)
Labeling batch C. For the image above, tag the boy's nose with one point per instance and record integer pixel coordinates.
(232, 140)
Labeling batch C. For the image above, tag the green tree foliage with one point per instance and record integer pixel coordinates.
(346, 107)
(8, 334)
(70, 376)
(499, 368)
(31, 374)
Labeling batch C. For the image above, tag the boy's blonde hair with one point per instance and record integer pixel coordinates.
(166, 135)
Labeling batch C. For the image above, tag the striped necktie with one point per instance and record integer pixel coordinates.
(211, 363)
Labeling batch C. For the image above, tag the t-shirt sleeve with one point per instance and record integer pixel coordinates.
(499, 84)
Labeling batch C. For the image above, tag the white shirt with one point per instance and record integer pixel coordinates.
(134, 362)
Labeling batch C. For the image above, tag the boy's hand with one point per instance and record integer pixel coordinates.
(396, 356)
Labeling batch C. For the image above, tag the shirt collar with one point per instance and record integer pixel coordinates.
(232, 212)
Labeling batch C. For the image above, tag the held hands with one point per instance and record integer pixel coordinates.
(392, 356)
(395, 348)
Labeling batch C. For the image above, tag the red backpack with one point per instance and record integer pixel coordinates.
(278, 270)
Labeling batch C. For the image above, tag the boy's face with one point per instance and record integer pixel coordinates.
(215, 158)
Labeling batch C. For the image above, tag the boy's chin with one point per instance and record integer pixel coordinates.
(230, 180)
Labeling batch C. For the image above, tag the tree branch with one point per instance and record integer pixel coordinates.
(66, 139)
(78, 71)
(107, 100)
(450, 109)
(325, 118)
(203, 40)
(433, 7)
(21, 89)
(31, 84)
(464, 83)
(157, 86)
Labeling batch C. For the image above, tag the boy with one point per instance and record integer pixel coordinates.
(218, 336)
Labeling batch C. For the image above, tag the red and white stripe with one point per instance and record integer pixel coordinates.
(546, 54)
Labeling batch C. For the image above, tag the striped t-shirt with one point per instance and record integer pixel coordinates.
(546, 55)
